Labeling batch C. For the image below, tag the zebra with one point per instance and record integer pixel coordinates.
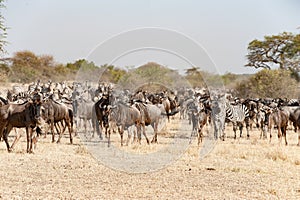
(218, 114)
(293, 102)
(238, 114)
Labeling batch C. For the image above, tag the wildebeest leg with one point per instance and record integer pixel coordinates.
(144, 133)
(264, 129)
(135, 136)
(46, 130)
(155, 128)
(98, 128)
(5, 135)
(270, 127)
(168, 115)
(70, 131)
(154, 139)
(121, 131)
(84, 124)
(283, 130)
(57, 128)
(90, 123)
(279, 134)
(108, 142)
(200, 135)
(60, 133)
(240, 128)
(67, 122)
(139, 134)
(29, 139)
(298, 130)
(17, 138)
(234, 125)
(190, 118)
(248, 127)
(52, 130)
(129, 131)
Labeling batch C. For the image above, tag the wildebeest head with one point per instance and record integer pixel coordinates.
(35, 108)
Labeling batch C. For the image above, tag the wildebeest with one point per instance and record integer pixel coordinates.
(261, 121)
(294, 117)
(170, 107)
(26, 115)
(84, 112)
(100, 111)
(54, 112)
(278, 118)
(126, 116)
(150, 115)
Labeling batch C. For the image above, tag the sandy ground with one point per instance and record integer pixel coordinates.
(234, 169)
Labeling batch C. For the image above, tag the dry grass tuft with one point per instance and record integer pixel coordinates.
(277, 155)
(272, 191)
(243, 156)
(254, 141)
(19, 151)
(81, 150)
(297, 162)
(235, 169)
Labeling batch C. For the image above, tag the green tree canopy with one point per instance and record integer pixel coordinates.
(282, 51)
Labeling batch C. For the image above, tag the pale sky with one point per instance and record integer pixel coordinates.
(72, 29)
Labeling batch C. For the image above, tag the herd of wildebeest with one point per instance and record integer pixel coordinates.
(105, 108)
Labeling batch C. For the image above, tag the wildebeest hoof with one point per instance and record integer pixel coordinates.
(154, 141)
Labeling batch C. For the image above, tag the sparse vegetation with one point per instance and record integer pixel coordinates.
(277, 155)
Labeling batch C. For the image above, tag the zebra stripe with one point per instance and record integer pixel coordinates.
(293, 102)
(236, 113)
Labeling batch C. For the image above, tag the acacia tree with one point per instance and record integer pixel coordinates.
(3, 29)
(282, 51)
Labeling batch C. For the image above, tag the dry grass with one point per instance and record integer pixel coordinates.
(276, 155)
(234, 169)
(81, 150)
